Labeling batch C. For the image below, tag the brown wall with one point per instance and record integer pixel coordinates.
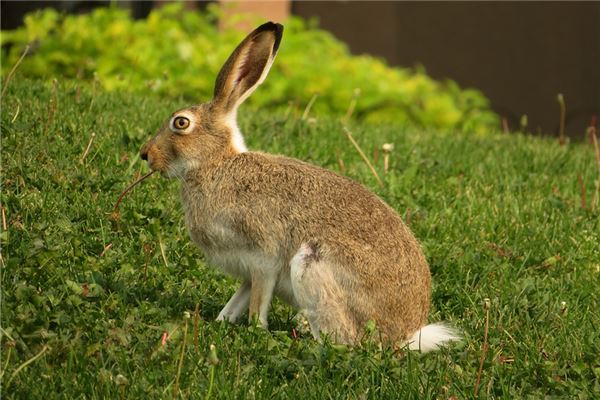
(269, 10)
(520, 54)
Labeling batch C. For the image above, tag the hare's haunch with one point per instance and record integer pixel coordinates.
(319, 241)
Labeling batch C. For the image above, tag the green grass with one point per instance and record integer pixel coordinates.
(499, 218)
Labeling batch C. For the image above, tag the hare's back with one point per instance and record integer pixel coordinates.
(317, 203)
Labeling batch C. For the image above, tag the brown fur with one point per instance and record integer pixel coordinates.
(243, 208)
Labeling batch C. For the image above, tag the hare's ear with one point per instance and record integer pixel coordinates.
(247, 67)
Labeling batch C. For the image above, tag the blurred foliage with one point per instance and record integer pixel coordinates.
(176, 52)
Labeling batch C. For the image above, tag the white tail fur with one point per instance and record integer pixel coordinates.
(432, 337)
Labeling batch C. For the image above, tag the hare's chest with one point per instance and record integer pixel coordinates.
(209, 225)
(213, 233)
(221, 245)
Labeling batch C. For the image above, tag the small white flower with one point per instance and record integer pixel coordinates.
(121, 380)
(486, 303)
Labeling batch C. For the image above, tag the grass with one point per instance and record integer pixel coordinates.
(98, 308)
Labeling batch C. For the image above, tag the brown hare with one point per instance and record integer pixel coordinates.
(320, 241)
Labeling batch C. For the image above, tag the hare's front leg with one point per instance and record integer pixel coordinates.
(261, 294)
(237, 304)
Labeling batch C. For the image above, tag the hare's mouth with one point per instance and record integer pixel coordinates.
(154, 166)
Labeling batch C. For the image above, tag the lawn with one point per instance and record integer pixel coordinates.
(103, 306)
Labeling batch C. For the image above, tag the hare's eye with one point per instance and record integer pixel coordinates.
(181, 123)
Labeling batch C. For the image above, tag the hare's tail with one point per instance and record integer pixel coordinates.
(432, 337)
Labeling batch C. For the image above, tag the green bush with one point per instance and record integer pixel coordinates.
(176, 52)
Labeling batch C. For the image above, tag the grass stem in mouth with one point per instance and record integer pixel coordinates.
(128, 188)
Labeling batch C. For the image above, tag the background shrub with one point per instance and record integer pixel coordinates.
(176, 52)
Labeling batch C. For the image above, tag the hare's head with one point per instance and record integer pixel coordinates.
(207, 133)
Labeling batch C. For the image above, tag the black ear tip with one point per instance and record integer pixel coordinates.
(278, 36)
(274, 27)
(270, 26)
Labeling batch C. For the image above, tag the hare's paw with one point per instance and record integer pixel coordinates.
(237, 305)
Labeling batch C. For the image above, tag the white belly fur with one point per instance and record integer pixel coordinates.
(240, 263)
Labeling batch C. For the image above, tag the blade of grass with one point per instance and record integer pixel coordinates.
(162, 251)
(181, 356)
(25, 364)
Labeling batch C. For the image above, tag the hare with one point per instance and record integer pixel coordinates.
(320, 241)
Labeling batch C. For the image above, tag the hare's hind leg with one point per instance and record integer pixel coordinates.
(319, 296)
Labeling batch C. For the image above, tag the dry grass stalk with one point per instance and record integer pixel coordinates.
(128, 188)
(342, 165)
(387, 149)
(309, 106)
(162, 252)
(582, 187)
(484, 346)
(505, 128)
(52, 106)
(291, 107)
(364, 157)
(12, 121)
(87, 149)
(594, 138)
(196, 325)
(408, 216)
(563, 112)
(4, 225)
(352, 106)
(13, 69)
(106, 248)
